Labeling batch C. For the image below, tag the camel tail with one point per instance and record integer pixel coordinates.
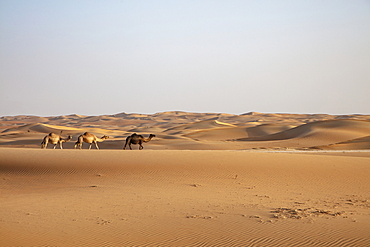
(128, 139)
(43, 143)
(124, 147)
(79, 142)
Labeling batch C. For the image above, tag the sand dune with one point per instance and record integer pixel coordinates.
(42, 128)
(208, 124)
(356, 144)
(226, 134)
(319, 133)
(193, 131)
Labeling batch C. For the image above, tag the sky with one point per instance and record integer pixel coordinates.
(99, 57)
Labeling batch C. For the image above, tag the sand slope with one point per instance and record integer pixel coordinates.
(319, 133)
(183, 198)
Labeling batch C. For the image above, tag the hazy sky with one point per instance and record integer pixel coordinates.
(105, 57)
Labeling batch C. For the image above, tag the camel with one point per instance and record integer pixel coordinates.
(137, 139)
(54, 139)
(89, 138)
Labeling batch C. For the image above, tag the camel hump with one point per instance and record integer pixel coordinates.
(88, 134)
(138, 136)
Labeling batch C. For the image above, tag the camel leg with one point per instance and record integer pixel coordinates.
(55, 145)
(90, 146)
(127, 142)
(140, 145)
(96, 145)
(60, 145)
(44, 143)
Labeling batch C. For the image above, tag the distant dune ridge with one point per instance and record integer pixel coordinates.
(205, 179)
(186, 130)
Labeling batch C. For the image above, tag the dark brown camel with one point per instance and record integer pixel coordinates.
(137, 139)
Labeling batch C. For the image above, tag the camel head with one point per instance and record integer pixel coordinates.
(149, 138)
(65, 140)
(105, 137)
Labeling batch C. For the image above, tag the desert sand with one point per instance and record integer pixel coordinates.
(206, 179)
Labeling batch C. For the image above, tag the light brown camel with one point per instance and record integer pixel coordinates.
(54, 139)
(137, 139)
(89, 138)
